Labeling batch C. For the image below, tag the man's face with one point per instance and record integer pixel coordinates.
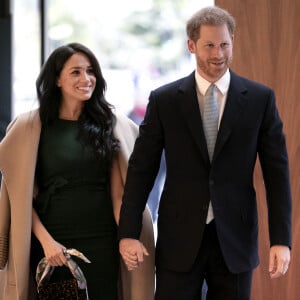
(213, 51)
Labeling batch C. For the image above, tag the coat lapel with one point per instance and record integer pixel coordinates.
(188, 102)
(234, 105)
(19, 148)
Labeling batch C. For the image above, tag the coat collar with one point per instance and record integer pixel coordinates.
(18, 150)
(126, 131)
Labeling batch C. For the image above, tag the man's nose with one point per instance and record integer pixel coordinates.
(217, 51)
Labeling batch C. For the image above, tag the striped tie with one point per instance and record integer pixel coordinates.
(210, 119)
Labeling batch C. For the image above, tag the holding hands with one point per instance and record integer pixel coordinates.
(132, 252)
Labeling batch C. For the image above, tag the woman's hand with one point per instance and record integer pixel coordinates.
(54, 253)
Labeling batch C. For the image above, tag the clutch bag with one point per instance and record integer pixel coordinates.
(72, 289)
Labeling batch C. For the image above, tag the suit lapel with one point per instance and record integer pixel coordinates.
(188, 102)
(235, 103)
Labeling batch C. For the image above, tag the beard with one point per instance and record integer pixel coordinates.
(210, 70)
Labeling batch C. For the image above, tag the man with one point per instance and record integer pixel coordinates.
(207, 223)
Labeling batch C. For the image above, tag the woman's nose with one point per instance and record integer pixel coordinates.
(85, 76)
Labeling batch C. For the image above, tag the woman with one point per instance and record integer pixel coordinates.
(70, 158)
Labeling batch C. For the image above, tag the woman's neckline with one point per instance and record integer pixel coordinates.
(67, 120)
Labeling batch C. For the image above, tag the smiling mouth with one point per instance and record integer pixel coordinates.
(218, 63)
(86, 88)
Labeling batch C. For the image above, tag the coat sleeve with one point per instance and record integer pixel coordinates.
(4, 214)
(274, 162)
(140, 283)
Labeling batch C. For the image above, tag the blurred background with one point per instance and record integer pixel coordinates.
(140, 44)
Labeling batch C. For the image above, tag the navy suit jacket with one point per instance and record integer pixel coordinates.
(250, 127)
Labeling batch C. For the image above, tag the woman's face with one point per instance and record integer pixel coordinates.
(77, 80)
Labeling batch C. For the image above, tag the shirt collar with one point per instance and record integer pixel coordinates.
(222, 84)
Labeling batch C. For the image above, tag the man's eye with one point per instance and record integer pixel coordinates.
(224, 45)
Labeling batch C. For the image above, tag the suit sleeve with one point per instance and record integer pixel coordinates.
(275, 166)
(142, 170)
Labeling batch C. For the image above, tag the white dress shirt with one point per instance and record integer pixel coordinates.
(222, 89)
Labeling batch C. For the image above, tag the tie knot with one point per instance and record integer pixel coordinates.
(210, 90)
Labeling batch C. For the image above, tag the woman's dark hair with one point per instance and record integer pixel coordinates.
(97, 120)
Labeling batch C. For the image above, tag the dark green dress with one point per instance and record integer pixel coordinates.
(75, 207)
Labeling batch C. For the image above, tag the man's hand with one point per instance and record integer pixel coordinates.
(279, 260)
(132, 252)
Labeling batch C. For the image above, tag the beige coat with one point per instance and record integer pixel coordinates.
(18, 154)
